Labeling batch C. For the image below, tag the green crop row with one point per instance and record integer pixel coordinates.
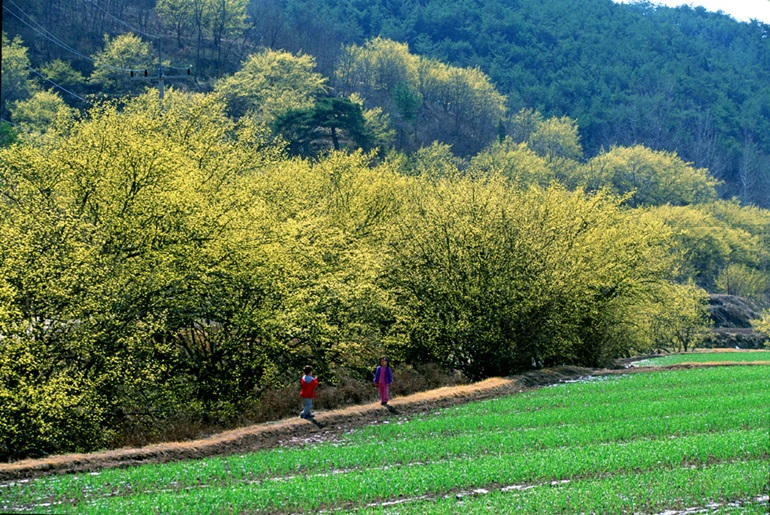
(582, 411)
(734, 486)
(570, 396)
(327, 458)
(677, 379)
(443, 475)
(705, 357)
(675, 384)
(482, 436)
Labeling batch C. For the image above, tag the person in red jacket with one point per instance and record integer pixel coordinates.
(308, 384)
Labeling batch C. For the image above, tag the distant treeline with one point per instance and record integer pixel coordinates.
(673, 79)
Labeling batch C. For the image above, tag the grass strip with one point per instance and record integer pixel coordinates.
(706, 357)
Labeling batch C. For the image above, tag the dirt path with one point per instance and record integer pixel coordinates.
(288, 432)
(298, 432)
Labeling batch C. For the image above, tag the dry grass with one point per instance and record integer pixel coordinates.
(290, 431)
(281, 403)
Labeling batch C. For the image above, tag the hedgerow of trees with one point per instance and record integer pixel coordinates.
(172, 261)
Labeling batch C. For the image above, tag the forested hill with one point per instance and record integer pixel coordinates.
(678, 79)
(675, 79)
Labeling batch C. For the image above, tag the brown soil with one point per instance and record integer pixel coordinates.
(298, 432)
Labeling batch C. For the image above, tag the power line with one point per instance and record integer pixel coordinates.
(47, 35)
(133, 29)
(58, 86)
(52, 38)
(140, 73)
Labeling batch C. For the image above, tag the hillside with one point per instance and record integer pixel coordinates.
(682, 79)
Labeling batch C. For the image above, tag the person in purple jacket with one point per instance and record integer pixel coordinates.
(383, 376)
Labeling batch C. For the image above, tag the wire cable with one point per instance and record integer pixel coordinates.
(55, 40)
(47, 35)
(137, 30)
(126, 24)
(58, 86)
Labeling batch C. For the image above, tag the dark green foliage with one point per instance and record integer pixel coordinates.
(8, 135)
(330, 119)
(674, 79)
(407, 101)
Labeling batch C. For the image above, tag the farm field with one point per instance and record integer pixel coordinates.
(707, 357)
(655, 442)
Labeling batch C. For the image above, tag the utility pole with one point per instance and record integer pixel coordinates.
(160, 75)
(143, 75)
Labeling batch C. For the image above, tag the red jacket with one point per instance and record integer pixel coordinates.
(307, 390)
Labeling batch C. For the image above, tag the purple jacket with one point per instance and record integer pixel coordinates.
(388, 375)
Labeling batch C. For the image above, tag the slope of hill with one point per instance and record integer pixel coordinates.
(676, 79)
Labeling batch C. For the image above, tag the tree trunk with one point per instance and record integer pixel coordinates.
(335, 139)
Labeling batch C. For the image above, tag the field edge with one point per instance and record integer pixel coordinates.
(297, 432)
